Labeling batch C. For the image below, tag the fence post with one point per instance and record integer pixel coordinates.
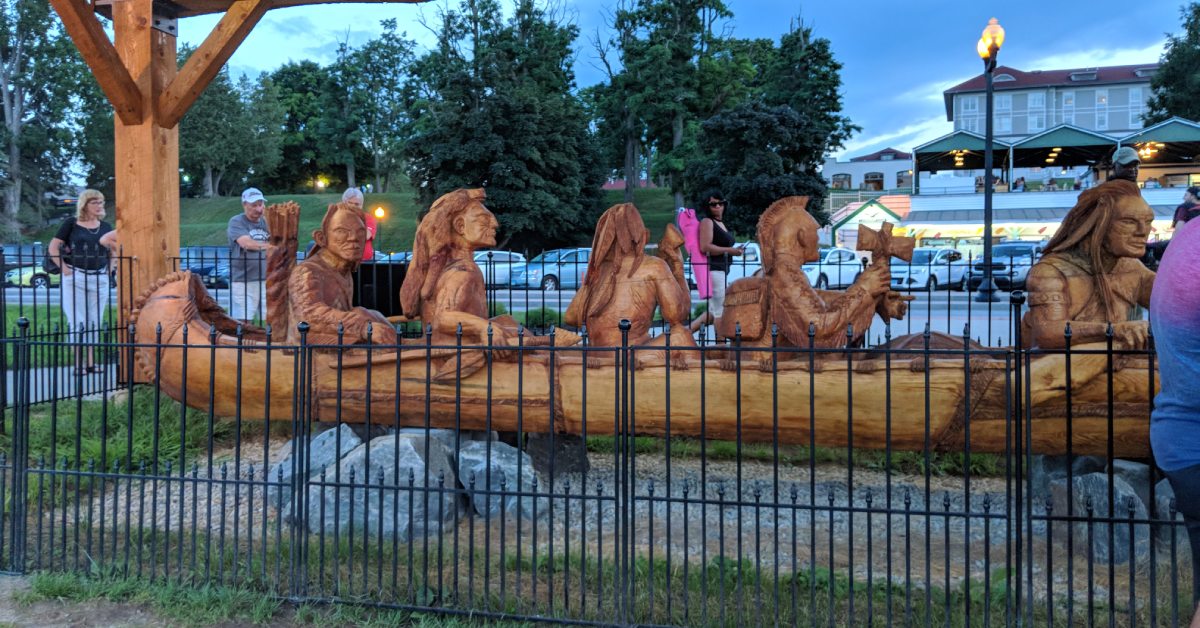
(301, 415)
(20, 448)
(624, 503)
(1022, 503)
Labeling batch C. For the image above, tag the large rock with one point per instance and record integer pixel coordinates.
(324, 451)
(499, 471)
(1137, 474)
(447, 437)
(1163, 496)
(1045, 469)
(1093, 488)
(410, 492)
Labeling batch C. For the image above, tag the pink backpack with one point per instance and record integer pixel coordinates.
(689, 225)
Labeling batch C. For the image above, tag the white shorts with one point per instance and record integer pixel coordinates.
(716, 303)
(247, 300)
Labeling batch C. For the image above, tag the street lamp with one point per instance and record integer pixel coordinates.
(380, 213)
(988, 47)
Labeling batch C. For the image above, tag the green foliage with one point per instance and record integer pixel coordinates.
(541, 318)
(41, 77)
(382, 65)
(299, 85)
(1177, 81)
(101, 432)
(492, 106)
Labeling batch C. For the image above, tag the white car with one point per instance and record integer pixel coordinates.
(835, 268)
(931, 269)
(497, 266)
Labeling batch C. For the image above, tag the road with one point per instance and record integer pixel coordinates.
(944, 311)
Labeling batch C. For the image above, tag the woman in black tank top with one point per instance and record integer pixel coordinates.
(717, 244)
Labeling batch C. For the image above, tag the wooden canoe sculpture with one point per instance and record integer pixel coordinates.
(933, 393)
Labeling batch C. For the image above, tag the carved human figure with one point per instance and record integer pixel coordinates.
(1090, 274)
(445, 288)
(784, 296)
(320, 288)
(622, 282)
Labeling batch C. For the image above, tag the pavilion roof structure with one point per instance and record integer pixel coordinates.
(1063, 146)
(960, 150)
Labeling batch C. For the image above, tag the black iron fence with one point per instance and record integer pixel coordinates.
(752, 488)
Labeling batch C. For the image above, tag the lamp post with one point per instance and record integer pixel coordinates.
(988, 47)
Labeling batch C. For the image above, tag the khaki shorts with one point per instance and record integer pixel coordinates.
(716, 303)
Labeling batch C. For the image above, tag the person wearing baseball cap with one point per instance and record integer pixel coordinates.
(248, 243)
(1125, 164)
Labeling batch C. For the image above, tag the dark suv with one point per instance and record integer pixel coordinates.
(210, 263)
(1011, 262)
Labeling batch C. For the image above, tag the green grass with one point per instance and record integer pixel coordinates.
(203, 220)
(656, 205)
(80, 434)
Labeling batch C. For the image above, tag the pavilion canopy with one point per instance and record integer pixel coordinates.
(1173, 141)
(191, 8)
(1063, 146)
(960, 150)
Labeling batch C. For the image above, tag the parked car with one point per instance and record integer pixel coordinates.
(17, 255)
(399, 257)
(210, 263)
(498, 266)
(551, 270)
(31, 277)
(1011, 262)
(930, 269)
(835, 268)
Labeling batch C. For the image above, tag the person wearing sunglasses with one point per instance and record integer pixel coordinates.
(717, 244)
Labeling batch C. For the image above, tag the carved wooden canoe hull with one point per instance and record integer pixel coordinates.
(914, 404)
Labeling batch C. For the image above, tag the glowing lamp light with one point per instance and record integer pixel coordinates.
(380, 213)
(993, 35)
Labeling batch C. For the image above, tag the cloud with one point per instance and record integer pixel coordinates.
(293, 26)
(1099, 57)
(904, 138)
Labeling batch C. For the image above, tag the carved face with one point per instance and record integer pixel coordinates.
(477, 226)
(346, 236)
(1130, 227)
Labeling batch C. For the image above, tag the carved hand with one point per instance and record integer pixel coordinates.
(1132, 334)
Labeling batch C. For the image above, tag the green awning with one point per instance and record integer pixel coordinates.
(1076, 147)
(1173, 130)
(960, 150)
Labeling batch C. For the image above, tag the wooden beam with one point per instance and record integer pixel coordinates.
(101, 56)
(206, 61)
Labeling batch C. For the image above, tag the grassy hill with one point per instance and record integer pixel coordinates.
(203, 220)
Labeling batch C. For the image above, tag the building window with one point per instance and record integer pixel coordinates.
(1003, 102)
(1037, 100)
(887, 157)
(904, 179)
(970, 124)
(1003, 125)
(1068, 107)
(970, 104)
(1135, 107)
(1101, 109)
(1102, 98)
(1037, 122)
(873, 181)
(841, 182)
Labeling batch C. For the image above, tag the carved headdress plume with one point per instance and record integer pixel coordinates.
(433, 247)
(1084, 229)
(620, 232)
(779, 230)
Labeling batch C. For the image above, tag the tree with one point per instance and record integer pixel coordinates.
(1177, 81)
(773, 145)
(212, 133)
(343, 108)
(384, 63)
(299, 86)
(262, 123)
(40, 70)
(492, 106)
